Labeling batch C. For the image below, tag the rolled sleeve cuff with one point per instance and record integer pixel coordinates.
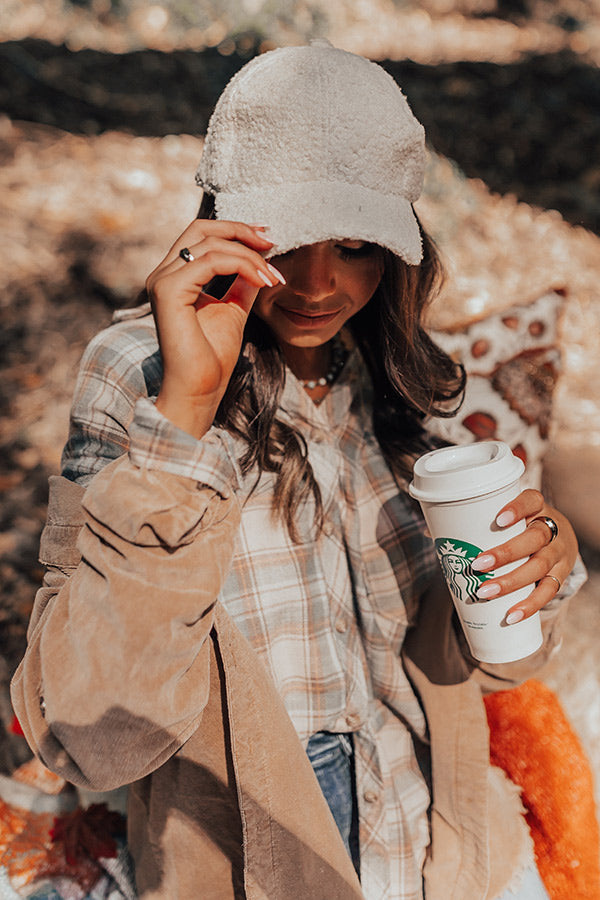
(572, 583)
(157, 444)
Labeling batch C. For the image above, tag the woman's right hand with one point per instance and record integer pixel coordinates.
(200, 337)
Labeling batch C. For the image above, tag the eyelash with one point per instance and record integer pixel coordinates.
(349, 253)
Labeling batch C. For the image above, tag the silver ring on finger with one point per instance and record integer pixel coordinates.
(550, 524)
(186, 256)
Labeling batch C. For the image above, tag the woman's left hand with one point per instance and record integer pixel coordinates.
(549, 563)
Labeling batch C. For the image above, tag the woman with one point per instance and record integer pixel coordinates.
(256, 598)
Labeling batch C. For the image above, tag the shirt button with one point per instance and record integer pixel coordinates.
(370, 796)
(317, 436)
(341, 625)
(328, 528)
(353, 720)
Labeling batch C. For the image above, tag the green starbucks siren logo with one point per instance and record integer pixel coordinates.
(456, 558)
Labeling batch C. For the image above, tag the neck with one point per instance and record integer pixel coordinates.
(308, 362)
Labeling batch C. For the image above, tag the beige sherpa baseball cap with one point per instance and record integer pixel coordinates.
(318, 144)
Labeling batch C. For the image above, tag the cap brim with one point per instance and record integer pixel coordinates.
(307, 213)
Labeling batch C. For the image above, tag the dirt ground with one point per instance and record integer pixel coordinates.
(101, 123)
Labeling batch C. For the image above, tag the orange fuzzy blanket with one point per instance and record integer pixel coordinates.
(532, 740)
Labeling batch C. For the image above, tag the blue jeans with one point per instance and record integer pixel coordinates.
(332, 758)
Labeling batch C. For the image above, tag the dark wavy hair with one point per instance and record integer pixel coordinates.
(412, 378)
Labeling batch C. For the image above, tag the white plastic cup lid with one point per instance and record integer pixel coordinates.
(461, 473)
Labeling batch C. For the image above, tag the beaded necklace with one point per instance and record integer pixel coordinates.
(338, 358)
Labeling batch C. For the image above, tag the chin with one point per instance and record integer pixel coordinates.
(307, 340)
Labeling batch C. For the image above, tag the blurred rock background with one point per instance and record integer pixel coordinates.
(103, 104)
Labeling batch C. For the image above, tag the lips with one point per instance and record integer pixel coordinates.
(308, 320)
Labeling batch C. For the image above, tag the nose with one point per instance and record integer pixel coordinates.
(312, 272)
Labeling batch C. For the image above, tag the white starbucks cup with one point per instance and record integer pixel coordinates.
(461, 490)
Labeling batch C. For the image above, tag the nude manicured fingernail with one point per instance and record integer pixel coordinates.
(276, 273)
(481, 563)
(505, 518)
(266, 280)
(517, 615)
(259, 231)
(487, 591)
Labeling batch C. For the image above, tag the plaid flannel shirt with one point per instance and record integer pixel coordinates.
(328, 614)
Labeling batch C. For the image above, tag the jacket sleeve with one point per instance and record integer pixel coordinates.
(437, 645)
(115, 675)
(119, 366)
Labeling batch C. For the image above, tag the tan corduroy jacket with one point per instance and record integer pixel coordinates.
(223, 802)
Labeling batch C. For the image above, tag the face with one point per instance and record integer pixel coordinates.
(455, 563)
(327, 283)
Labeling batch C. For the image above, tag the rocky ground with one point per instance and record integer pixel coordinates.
(99, 138)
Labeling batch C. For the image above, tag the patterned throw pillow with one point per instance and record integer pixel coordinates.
(513, 361)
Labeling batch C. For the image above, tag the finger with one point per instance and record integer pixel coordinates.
(529, 572)
(545, 590)
(241, 293)
(249, 265)
(201, 229)
(214, 244)
(547, 525)
(529, 503)
(185, 281)
(203, 251)
(528, 543)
